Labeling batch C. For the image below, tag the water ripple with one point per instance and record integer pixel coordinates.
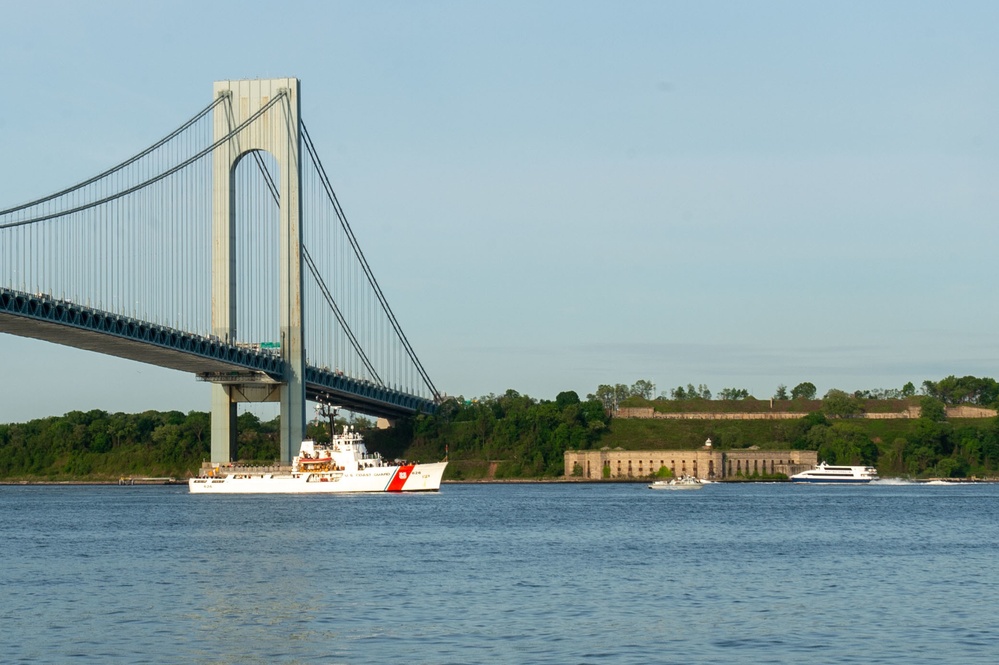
(514, 574)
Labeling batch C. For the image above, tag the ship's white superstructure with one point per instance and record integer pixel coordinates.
(826, 473)
(342, 465)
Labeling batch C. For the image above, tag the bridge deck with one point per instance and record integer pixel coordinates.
(69, 324)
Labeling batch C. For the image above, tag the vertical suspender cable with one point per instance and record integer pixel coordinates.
(364, 264)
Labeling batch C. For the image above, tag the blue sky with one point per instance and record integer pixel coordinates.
(556, 195)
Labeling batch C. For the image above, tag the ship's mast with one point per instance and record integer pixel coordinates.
(327, 412)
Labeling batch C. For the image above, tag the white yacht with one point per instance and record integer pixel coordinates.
(826, 473)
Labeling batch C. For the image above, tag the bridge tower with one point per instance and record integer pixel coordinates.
(277, 132)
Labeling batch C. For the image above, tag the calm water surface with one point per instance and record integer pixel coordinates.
(564, 573)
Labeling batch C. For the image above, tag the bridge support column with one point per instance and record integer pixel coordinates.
(223, 425)
(276, 131)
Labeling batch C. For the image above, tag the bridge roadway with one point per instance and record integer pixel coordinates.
(63, 322)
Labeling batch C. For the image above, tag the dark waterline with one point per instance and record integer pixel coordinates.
(533, 573)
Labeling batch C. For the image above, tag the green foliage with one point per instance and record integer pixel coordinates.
(468, 470)
(664, 473)
(610, 396)
(933, 409)
(805, 390)
(100, 446)
(516, 436)
(841, 405)
(965, 390)
(566, 399)
(680, 393)
(642, 388)
(843, 443)
(527, 438)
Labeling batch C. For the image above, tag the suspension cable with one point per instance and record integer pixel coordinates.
(152, 180)
(339, 315)
(276, 196)
(364, 263)
(119, 167)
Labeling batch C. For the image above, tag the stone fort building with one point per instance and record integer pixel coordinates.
(704, 463)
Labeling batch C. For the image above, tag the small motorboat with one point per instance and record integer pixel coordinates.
(681, 483)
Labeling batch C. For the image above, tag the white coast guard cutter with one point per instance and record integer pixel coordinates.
(342, 465)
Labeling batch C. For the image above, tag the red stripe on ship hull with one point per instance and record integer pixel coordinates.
(400, 478)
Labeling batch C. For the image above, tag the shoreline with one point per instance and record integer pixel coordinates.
(180, 482)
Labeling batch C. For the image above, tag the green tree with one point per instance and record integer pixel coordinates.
(841, 405)
(805, 390)
(643, 389)
(781, 392)
(948, 467)
(933, 409)
(609, 395)
(566, 398)
(964, 390)
(690, 392)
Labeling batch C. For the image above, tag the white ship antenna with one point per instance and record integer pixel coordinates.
(329, 412)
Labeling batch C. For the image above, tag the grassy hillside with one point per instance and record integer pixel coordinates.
(751, 405)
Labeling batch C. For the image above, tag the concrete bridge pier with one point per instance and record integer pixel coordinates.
(276, 131)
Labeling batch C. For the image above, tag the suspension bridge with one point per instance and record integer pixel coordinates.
(220, 250)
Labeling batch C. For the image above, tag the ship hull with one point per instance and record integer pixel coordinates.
(406, 478)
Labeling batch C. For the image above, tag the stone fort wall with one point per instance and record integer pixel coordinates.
(703, 463)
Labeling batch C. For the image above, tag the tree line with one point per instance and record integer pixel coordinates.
(951, 390)
(103, 446)
(516, 436)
